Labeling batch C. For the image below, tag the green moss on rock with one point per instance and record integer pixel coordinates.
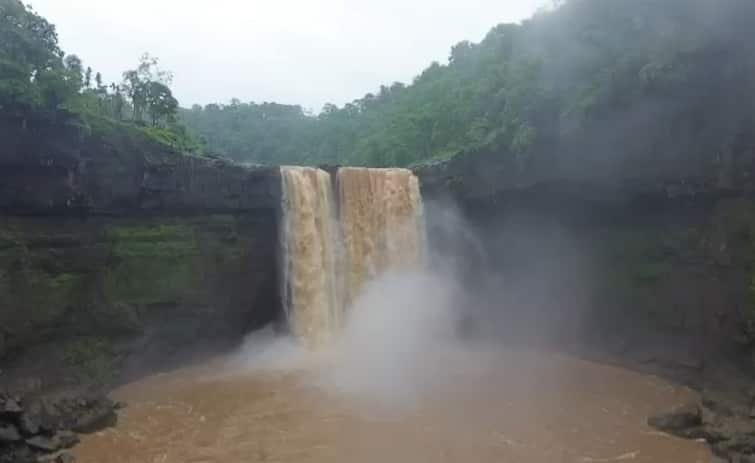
(152, 264)
(91, 359)
(62, 279)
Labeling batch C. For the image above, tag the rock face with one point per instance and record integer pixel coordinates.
(730, 433)
(678, 420)
(117, 252)
(640, 257)
(110, 169)
(649, 255)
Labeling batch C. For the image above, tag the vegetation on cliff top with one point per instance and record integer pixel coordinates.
(39, 82)
(680, 69)
(586, 76)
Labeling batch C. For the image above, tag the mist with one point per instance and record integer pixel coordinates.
(412, 335)
(397, 341)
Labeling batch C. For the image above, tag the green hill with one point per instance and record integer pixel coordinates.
(592, 75)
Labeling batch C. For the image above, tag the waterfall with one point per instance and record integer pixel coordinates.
(381, 222)
(309, 229)
(328, 257)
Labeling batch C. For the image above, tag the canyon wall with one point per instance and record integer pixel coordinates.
(648, 259)
(116, 252)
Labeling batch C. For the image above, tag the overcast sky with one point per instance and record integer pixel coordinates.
(307, 52)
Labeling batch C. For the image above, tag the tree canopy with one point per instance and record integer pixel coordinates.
(652, 76)
(38, 81)
(32, 73)
(564, 78)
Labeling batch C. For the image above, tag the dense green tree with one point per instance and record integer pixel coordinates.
(160, 102)
(29, 60)
(148, 89)
(576, 78)
(38, 82)
(88, 78)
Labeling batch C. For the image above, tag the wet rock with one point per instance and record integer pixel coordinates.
(697, 432)
(45, 444)
(10, 406)
(721, 404)
(678, 420)
(28, 425)
(61, 440)
(60, 457)
(95, 416)
(17, 453)
(9, 433)
(739, 444)
(72, 411)
(66, 439)
(41, 430)
(45, 415)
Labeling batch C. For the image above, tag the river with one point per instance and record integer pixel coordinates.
(492, 406)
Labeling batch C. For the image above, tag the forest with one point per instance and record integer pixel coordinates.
(565, 78)
(39, 83)
(562, 78)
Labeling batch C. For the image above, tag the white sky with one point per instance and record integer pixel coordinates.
(306, 52)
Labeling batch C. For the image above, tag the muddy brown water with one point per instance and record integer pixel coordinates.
(513, 406)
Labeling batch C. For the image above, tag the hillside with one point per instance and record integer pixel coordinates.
(41, 86)
(585, 78)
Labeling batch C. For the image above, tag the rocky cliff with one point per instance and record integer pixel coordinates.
(641, 258)
(653, 255)
(118, 253)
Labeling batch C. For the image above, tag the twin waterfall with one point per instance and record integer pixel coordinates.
(311, 296)
(331, 249)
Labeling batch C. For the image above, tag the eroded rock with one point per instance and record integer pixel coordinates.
(65, 457)
(70, 411)
(28, 424)
(678, 420)
(10, 406)
(17, 453)
(61, 440)
(95, 416)
(59, 457)
(9, 433)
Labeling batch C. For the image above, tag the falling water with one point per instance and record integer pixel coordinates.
(381, 220)
(326, 266)
(310, 294)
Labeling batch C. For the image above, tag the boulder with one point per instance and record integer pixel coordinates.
(678, 420)
(9, 433)
(45, 415)
(17, 453)
(61, 440)
(42, 443)
(119, 405)
(10, 406)
(738, 445)
(28, 424)
(73, 411)
(59, 457)
(95, 416)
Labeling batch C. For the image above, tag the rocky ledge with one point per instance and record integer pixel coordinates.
(726, 425)
(43, 429)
